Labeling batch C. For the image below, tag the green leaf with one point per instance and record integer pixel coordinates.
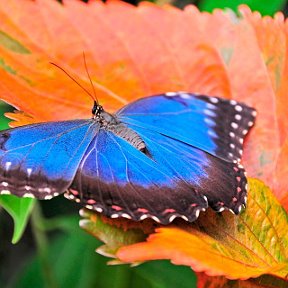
(3, 120)
(75, 264)
(19, 209)
(113, 237)
(265, 7)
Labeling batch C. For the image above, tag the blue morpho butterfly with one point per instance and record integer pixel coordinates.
(160, 157)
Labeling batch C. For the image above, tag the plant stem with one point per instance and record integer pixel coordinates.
(41, 240)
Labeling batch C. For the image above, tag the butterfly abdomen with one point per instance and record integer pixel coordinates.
(129, 135)
(109, 122)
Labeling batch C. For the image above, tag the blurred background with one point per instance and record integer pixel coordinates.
(265, 7)
(70, 260)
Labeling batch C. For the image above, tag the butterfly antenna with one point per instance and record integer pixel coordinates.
(75, 81)
(87, 71)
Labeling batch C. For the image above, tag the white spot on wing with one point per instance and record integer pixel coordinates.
(185, 96)
(114, 215)
(238, 108)
(5, 192)
(212, 133)
(29, 171)
(214, 100)
(8, 165)
(171, 94)
(172, 218)
(28, 195)
(232, 211)
(125, 215)
(244, 132)
(234, 125)
(210, 106)
(48, 197)
(197, 212)
(238, 117)
(5, 184)
(98, 209)
(233, 102)
(156, 219)
(143, 217)
(209, 112)
(184, 217)
(209, 121)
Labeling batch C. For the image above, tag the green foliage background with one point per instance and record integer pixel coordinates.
(55, 252)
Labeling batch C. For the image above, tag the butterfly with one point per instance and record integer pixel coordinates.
(161, 157)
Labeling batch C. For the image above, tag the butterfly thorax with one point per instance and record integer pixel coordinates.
(110, 122)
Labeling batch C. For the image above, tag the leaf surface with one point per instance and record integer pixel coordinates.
(240, 247)
(19, 209)
(123, 67)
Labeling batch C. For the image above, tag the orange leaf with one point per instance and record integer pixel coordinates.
(126, 63)
(240, 247)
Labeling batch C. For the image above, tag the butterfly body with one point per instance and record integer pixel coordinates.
(161, 157)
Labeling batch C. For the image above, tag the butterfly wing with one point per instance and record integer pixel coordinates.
(41, 160)
(212, 124)
(222, 183)
(117, 179)
(194, 145)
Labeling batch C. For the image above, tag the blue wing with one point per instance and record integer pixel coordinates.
(194, 145)
(117, 179)
(41, 160)
(211, 124)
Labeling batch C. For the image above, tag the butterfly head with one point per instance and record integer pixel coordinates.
(97, 110)
(103, 118)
